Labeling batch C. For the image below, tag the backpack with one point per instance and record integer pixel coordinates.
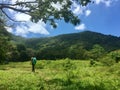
(34, 60)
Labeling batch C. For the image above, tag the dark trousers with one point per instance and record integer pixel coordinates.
(33, 68)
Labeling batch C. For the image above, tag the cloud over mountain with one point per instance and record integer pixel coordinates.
(80, 27)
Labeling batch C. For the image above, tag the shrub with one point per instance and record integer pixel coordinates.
(92, 62)
(107, 61)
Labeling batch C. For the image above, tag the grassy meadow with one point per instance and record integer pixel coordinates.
(59, 75)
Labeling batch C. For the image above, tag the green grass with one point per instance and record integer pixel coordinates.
(59, 75)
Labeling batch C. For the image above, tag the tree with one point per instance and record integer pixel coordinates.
(77, 52)
(4, 44)
(43, 10)
(23, 53)
(21, 47)
(116, 56)
(97, 52)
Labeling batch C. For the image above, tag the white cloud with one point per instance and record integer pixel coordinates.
(87, 12)
(36, 28)
(77, 9)
(9, 29)
(106, 2)
(57, 6)
(80, 27)
(21, 31)
(22, 17)
(97, 1)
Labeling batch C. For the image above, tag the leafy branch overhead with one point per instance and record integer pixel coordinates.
(44, 10)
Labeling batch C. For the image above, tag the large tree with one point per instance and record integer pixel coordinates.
(42, 10)
(4, 44)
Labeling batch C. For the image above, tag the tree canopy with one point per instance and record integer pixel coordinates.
(4, 43)
(44, 10)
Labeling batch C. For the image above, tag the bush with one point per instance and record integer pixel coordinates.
(92, 62)
(107, 61)
(40, 65)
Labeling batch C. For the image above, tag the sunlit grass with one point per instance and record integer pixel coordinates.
(59, 75)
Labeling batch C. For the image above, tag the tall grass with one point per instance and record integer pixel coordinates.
(59, 75)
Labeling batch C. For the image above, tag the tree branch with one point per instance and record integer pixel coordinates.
(18, 3)
(15, 9)
(11, 6)
(8, 16)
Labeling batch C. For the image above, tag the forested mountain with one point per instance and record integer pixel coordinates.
(85, 39)
(75, 46)
(83, 45)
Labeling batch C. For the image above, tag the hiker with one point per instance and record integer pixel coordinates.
(33, 61)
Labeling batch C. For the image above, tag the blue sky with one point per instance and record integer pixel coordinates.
(103, 16)
(103, 19)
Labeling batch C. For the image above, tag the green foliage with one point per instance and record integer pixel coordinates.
(111, 58)
(44, 10)
(82, 45)
(108, 61)
(115, 69)
(77, 51)
(18, 76)
(21, 47)
(92, 62)
(115, 55)
(40, 65)
(97, 52)
(4, 44)
(68, 66)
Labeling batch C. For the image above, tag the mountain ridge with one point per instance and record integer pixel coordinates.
(82, 37)
(74, 46)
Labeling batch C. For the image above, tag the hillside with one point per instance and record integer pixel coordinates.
(87, 39)
(74, 46)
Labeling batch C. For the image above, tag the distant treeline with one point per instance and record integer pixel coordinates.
(84, 45)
